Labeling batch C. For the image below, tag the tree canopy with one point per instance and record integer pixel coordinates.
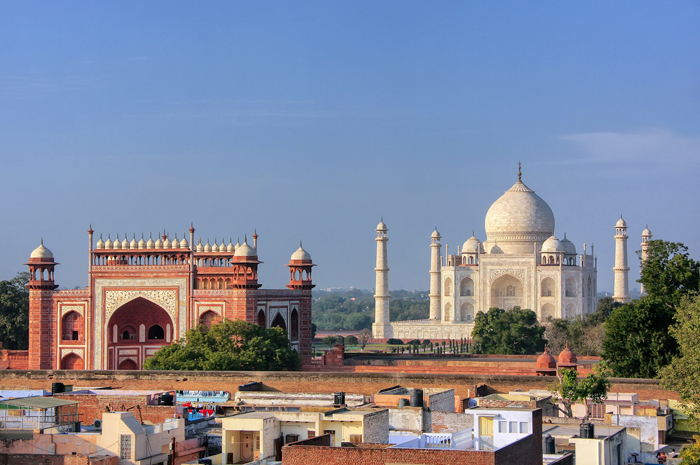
(14, 312)
(682, 374)
(508, 332)
(638, 342)
(570, 388)
(228, 346)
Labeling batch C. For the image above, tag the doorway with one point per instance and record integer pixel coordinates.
(247, 447)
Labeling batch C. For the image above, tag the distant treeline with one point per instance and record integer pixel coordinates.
(354, 309)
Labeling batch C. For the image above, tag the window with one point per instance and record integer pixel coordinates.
(311, 433)
(523, 427)
(290, 438)
(125, 447)
(596, 410)
(355, 438)
(512, 426)
(502, 426)
(156, 332)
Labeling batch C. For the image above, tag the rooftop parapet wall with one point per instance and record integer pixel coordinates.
(284, 381)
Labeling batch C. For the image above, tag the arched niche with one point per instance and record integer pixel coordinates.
(507, 292)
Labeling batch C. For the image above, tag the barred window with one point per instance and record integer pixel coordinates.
(125, 447)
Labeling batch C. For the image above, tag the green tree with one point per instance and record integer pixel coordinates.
(668, 272)
(14, 312)
(228, 346)
(637, 340)
(606, 305)
(331, 340)
(350, 340)
(570, 388)
(682, 373)
(313, 331)
(691, 455)
(508, 332)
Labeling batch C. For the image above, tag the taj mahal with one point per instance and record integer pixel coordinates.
(520, 264)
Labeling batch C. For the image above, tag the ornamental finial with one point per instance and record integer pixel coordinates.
(520, 174)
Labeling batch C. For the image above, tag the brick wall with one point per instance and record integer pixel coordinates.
(360, 383)
(92, 406)
(34, 459)
(14, 359)
(446, 422)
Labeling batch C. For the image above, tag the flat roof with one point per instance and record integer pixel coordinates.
(38, 402)
(600, 431)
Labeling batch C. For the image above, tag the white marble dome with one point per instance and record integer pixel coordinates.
(245, 251)
(301, 254)
(472, 245)
(621, 223)
(42, 252)
(553, 245)
(569, 247)
(520, 216)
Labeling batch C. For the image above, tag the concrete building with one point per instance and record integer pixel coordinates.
(260, 435)
(521, 264)
(142, 295)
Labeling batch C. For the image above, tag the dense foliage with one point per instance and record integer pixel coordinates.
(14, 312)
(508, 332)
(354, 310)
(682, 374)
(638, 342)
(584, 335)
(228, 346)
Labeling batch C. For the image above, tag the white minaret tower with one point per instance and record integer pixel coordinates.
(621, 269)
(381, 329)
(646, 237)
(435, 275)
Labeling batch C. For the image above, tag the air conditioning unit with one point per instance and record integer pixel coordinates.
(97, 424)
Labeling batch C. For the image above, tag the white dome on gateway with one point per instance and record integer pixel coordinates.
(521, 264)
(519, 220)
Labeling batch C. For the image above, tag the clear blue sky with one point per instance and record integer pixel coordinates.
(311, 120)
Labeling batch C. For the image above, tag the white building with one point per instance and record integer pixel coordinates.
(520, 264)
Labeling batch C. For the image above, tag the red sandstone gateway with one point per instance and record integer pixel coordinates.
(142, 295)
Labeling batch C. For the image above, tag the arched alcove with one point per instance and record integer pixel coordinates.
(72, 361)
(466, 287)
(507, 292)
(547, 288)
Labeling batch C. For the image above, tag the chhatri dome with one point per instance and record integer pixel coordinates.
(518, 219)
(42, 252)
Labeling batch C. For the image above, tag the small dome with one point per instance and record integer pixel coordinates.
(301, 254)
(230, 247)
(175, 244)
(117, 243)
(150, 244)
(125, 243)
(552, 245)
(546, 360)
(569, 247)
(184, 244)
(646, 232)
(207, 248)
(200, 247)
(473, 245)
(133, 244)
(159, 243)
(381, 226)
(621, 223)
(42, 252)
(142, 243)
(496, 250)
(245, 251)
(435, 234)
(108, 244)
(166, 243)
(100, 244)
(567, 358)
(215, 247)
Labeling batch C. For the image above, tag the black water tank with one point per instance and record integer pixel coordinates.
(165, 399)
(417, 398)
(549, 445)
(591, 431)
(57, 388)
(339, 398)
(584, 430)
(403, 403)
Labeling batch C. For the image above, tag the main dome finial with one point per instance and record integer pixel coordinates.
(520, 174)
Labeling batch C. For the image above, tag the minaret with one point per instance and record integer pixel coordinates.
(42, 324)
(621, 269)
(646, 237)
(435, 275)
(381, 329)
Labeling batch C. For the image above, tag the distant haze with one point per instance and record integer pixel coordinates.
(312, 120)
